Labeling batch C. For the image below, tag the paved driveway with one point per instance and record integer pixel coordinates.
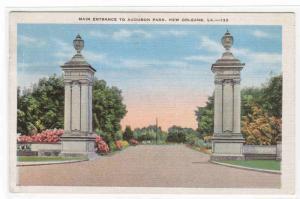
(148, 166)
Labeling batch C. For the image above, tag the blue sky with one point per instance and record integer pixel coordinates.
(149, 59)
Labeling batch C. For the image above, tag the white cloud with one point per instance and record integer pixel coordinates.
(63, 46)
(31, 72)
(266, 58)
(260, 34)
(65, 51)
(244, 54)
(202, 58)
(31, 41)
(124, 34)
(133, 63)
(94, 57)
(175, 33)
(138, 63)
(251, 58)
(22, 65)
(210, 45)
(240, 51)
(255, 57)
(35, 64)
(26, 80)
(98, 34)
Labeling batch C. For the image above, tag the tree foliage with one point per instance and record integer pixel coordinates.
(272, 97)
(151, 133)
(42, 107)
(204, 117)
(108, 107)
(260, 128)
(180, 135)
(128, 133)
(261, 111)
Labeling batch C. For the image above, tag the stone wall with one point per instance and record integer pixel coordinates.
(40, 149)
(258, 152)
(45, 146)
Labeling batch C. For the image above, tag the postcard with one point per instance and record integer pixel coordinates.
(152, 102)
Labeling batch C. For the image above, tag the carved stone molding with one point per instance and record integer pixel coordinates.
(227, 81)
(84, 82)
(236, 81)
(91, 83)
(75, 82)
(218, 81)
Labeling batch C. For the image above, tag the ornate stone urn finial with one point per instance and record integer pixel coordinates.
(78, 44)
(227, 40)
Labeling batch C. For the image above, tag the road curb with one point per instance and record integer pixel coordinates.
(246, 168)
(24, 164)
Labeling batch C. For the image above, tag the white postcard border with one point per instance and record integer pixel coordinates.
(288, 54)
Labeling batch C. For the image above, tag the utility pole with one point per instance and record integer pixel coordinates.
(156, 128)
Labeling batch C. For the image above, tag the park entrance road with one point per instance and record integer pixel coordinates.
(148, 166)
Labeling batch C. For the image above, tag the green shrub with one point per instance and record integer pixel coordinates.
(118, 136)
(151, 134)
(200, 143)
(128, 133)
(179, 135)
(191, 139)
(112, 146)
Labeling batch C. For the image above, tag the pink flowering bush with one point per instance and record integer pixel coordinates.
(102, 147)
(49, 135)
(133, 142)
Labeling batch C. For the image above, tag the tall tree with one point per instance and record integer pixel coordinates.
(249, 96)
(260, 107)
(272, 96)
(108, 107)
(42, 106)
(204, 117)
(128, 133)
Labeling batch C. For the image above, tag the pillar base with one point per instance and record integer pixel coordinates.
(78, 146)
(89, 156)
(227, 147)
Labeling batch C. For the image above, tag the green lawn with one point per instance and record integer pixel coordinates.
(258, 164)
(46, 158)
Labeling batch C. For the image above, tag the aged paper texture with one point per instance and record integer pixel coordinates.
(151, 102)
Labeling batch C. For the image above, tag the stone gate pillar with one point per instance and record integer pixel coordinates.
(227, 141)
(78, 139)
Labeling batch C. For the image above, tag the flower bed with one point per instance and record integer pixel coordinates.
(47, 136)
(133, 142)
(124, 143)
(102, 147)
(120, 144)
(53, 137)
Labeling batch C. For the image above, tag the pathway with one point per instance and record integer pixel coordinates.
(148, 166)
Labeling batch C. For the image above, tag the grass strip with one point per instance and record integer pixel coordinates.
(258, 164)
(47, 158)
